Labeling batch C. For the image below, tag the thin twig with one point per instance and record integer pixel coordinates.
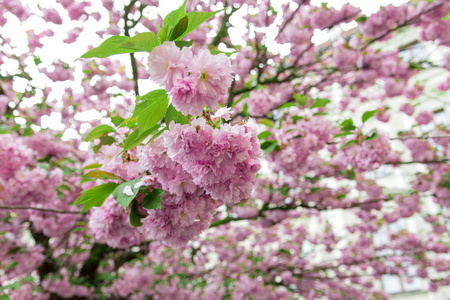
(40, 209)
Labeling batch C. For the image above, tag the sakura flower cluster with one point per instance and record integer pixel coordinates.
(200, 168)
(369, 155)
(193, 81)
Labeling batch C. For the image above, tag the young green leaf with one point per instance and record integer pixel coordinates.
(296, 118)
(98, 132)
(126, 192)
(98, 174)
(154, 112)
(216, 51)
(144, 41)
(343, 134)
(179, 29)
(369, 114)
(172, 19)
(174, 115)
(143, 102)
(347, 125)
(195, 19)
(264, 134)
(348, 144)
(269, 146)
(267, 122)
(181, 44)
(372, 136)
(245, 110)
(174, 16)
(162, 35)
(135, 214)
(320, 102)
(159, 133)
(351, 175)
(242, 97)
(301, 99)
(135, 138)
(96, 195)
(92, 166)
(153, 200)
(122, 44)
(104, 140)
(288, 104)
(361, 19)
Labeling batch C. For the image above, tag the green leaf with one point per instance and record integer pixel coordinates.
(123, 44)
(216, 51)
(98, 132)
(320, 102)
(144, 41)
(181, 44)
(174, 115)
(92, 166)
(269, 146)
(179, 29)
(195, 19)
(351, 175)
(154, 112)
(369, 114)
(162, 35)
(245, 110)
(125, 198)
(143, 102)
(6, 129)
(172, 19)
(296, 118)
(361, 19)
(153, 200)
(117, 120)
(347, 125)
(96, 195)
(301, 99)
(267, 122)
(243, 96)
(13, 264)
(372, 136)
(445, 18)
(264, 134)
(159, 133)
(343, 134)
(4, 297)
(297, 137)
(98, 174)
(348, 144)
(104, 140)
(289, 104)
(284, 251)
(135, 138)
(135, 215)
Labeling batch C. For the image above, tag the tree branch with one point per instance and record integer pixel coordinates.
(12, 207)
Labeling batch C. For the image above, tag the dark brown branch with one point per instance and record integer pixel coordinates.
(13, 207)
(404, 24)
(132, 58)
(417, 162)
